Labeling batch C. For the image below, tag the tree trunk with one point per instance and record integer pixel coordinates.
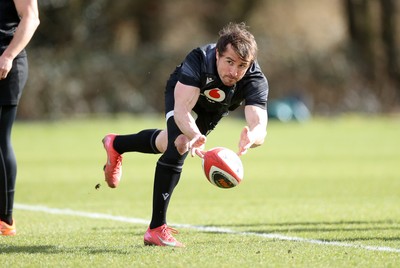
(389, 29)
(361, 31)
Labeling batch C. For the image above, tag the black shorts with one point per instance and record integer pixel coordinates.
(11, 88)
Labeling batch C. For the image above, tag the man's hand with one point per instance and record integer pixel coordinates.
(197, 144)
(246, 140)
(5, 66)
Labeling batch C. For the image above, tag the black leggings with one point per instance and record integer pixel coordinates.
(8, 163)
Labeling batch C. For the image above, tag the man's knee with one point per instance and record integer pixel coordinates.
(182, 144)
(162, 141)
(175, 155)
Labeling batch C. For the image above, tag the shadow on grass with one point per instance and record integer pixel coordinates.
(91, 248)
(335, 223)
(356, 230)
(51, 249)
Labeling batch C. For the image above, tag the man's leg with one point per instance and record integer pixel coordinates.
(116, 145)
(167, 175)
(142, 142)
(8, 163)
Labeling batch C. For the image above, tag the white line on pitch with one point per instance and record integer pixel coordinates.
(102, 216)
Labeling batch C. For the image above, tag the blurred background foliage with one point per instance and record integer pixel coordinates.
(105, 57)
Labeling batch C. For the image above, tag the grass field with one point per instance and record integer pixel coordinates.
(324, 193)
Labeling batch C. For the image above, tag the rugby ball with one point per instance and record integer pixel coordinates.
(222, 167)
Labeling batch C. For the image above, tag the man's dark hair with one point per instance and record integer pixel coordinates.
(241, 40)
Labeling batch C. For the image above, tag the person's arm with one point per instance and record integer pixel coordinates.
(185, 99)
(254, 133)
(29, 14)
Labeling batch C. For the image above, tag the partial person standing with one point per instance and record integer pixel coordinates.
(19, 20)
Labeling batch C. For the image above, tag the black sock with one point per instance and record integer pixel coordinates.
(143, 142)
(166, 178)
(6, 218)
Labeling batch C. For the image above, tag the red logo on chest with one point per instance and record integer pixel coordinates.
(215, 94)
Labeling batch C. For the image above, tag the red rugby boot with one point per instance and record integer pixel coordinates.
(113, 166)
(161, 236)
(6, 229)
